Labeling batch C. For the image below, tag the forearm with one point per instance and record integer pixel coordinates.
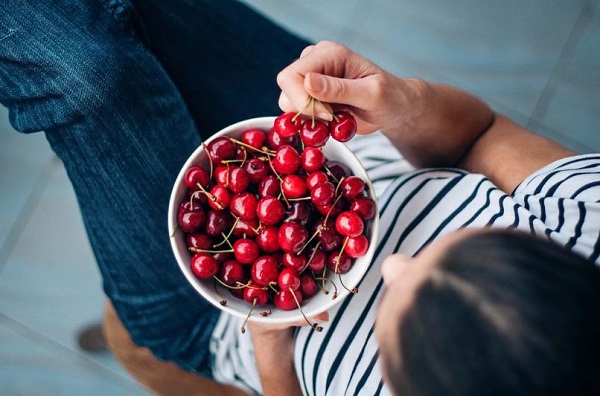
(442, 125)
(275, 362)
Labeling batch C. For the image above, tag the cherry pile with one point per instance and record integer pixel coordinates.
(271, 218)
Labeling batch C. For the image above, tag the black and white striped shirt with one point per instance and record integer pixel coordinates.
(562, 201)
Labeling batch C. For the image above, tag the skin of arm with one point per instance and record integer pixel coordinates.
(430, 124)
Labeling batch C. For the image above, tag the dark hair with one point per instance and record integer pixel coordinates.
(504, 313)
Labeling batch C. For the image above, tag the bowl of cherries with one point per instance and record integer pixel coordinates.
(274, 219)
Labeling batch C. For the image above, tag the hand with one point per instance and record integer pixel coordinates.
(334, 74)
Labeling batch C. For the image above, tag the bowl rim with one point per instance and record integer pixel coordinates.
(281, 317)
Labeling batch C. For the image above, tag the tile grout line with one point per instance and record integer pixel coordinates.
(26, 210)
(35, 336)
(572, 40)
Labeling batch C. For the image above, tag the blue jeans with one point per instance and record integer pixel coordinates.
(123, 92)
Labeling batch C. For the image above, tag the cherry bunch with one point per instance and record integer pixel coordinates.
(271, 218)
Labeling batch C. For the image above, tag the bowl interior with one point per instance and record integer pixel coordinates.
(333, 150)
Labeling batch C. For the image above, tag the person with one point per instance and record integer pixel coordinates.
(121, 105)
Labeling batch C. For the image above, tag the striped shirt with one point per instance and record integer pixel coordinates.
(561, 201)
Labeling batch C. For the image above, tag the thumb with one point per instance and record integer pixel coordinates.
(331, 89)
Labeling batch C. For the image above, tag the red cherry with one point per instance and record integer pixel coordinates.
(199, 241)
(308, 286)
(289, 278)
(293, 186)
(318, 260)
(314, 135)
(364, 206)
(300, 212)
(349, 223)
(285, 299)
(291, 260)
(220, 198)
(338, 170)
(344, 128)
(245, 251)
(312, 159)
(275, 140)
(232, 272)
(265, 270)
(256, 295)
(256, 170)
(221, 175)
(243, 205)
(287, 160)
(217, 222)
(339, 263)
(246, 228)
(195, 175)
(323, 194)
(238, 180)
(352, 186)
(287, 125)
(357, 246)
(221, 149)
(254, 137)
(190, 218)
(270, 210)
(267, 239)
(292, 237)
(204, 266)
(316, 178)
(270, 185)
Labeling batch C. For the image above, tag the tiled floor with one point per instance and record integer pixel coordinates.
(536, 61)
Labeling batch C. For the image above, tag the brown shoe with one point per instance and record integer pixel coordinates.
(91, 338)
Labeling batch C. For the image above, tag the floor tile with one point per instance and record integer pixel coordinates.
(31, 365)
(570, 108)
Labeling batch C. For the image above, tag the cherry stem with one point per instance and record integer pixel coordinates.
(273, 287)
(266, 313)
(331, 209)
(310, 258)
(337, 263)
(228, 234)
(280, 182)
(330, 112)
(310, 99)
(330, 173)
(262, 151)
(317, 232)
(335, 290)
(210, 175)
(222, 300)
(243, 329)
(353, 291)
(196, 250)
(299, 199)
(238, 286)
(313, 325)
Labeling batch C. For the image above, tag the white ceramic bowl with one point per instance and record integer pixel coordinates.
(320, 302)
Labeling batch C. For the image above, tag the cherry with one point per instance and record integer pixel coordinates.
(246, 227)
(292, 237)
(300, 212)
(204, 266)
(357, 246)
(291, 260)
(349, 223)
(265, 270)
(219, 198)
(289, 278)
(190, 217)
(275, 140)
(217, 222)
(221, 257)
(243, 205)
(364, 206)
(238, 180)
(287, 160)
(232, 272)
(343, 126)
(308, 286)
(339, 263)
(256, 170)
(287, 125)
(316, 178)
(314, 134)
(245, 251)
(254, 137)
(312, 159)
(267, 239)
(195, 175)
(221, 149)
(352, 186)
(285, 299)
(199, 241)
(270, 185)
(221, 175)
(329, 239)
(270, 210)
(337, 169)
(323, 194)
(293, 186)
(317, 260)
(256, 295)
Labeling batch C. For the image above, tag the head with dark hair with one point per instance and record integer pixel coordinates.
(494, 313)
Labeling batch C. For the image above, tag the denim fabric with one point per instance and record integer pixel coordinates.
(122, 94)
